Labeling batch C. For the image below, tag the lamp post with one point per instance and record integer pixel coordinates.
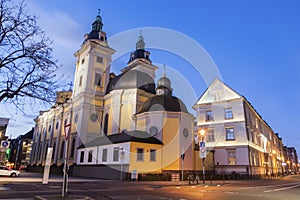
(202, 150)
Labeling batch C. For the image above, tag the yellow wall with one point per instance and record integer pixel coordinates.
(171, 148)
(146, 165)
(126, 113)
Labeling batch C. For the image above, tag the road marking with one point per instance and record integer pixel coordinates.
(280, 189)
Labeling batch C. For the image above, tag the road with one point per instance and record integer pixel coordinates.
(29, 185)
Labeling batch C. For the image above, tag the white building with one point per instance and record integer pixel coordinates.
(241, 140)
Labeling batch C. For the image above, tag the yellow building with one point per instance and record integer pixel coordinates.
(118, 122)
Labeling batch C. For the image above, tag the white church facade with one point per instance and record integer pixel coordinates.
(118, 122)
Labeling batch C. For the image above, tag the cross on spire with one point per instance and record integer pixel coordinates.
(71, 85)
(164, 72)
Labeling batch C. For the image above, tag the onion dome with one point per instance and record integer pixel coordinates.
(130, 80)
(140, 52)
(96, 32)
(163, 103)
(164, 85)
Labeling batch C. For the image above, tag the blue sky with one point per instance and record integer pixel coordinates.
(254, 44)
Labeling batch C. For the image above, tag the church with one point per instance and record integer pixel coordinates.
(124, 122)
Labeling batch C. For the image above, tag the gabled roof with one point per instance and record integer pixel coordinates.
(216, 91)
(124, 136)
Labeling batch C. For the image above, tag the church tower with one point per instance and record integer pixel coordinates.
(90, 82)
(93, 62)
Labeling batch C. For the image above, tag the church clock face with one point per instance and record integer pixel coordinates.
(185, 132)
(153, 131)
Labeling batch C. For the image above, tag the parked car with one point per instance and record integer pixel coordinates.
(4, 171)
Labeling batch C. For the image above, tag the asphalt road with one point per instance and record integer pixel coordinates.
(29, 185)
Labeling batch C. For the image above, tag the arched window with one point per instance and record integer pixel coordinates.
(62, 149)
(53, 152)
(45, 153)
(72, 148)
(105, 124)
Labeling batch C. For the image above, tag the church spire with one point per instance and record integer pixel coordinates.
(97, 24)
(164, 85)
(164, 73)
(140, 44)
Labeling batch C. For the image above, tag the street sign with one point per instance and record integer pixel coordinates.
(67, 131)
(202, 144)
(202, 152)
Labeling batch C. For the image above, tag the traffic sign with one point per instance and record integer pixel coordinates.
(202, 144)
(202, 152)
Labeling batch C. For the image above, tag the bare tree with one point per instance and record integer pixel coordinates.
(27, 68)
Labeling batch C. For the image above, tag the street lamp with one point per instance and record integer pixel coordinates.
(202, 150)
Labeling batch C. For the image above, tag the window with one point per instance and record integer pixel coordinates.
(210, 135)
(231, 157)
(230, 134)
(116, 154)
(97, 80)
(56, 126)
(76, 118)
(209, 116)
(54, 146)
(62, 149)
(80, 80)
(152, 155)
(104, 155)
(94, 117)
(81, 156)
(228, 113)
(66, 121)
(185, 132)
(153, 131)
(82, 61)
(140, 154)
(72, 148)
(105, 124)
(99, 59)
(90, 159)
(49, 129)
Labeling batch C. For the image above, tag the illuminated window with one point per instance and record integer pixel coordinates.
(209, 116)
(152, 155)
(230, 134)
(231, 157)
(116, 154)
(140, 154)
(90, 159)
(228, 113)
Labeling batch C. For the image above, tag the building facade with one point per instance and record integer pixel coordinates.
(21, 150)
(241, 141)
(3, 140)
(119, 122)
(292, 162)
